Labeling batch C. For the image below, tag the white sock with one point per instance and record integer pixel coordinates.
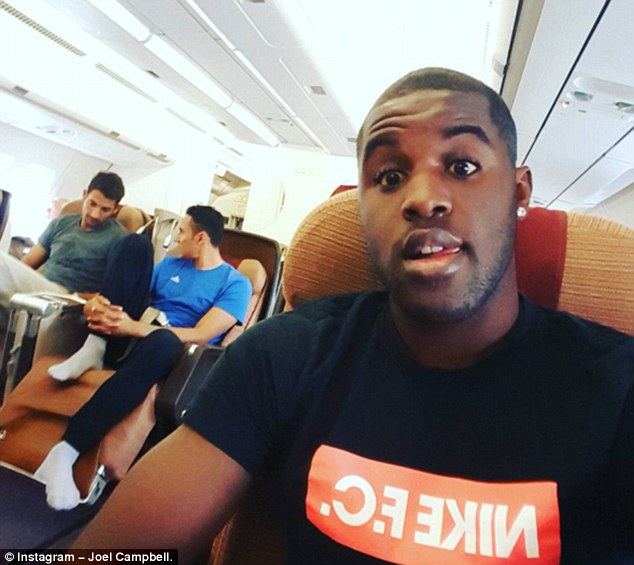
(56, 472)
(90, 356)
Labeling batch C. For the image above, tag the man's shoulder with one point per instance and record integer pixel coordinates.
(66, 221)
(113, 226)
(167, 261)
(588, 338)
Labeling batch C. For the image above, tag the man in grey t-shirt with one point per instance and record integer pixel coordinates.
(74, 249)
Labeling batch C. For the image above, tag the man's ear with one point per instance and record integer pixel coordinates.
(84, 194)
(116, 210)
(523, 186)
(201, 237)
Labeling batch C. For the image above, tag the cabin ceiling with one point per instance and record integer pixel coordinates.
(326, 61)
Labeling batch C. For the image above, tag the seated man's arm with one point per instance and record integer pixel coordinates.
(213, 323)
(178, 496)
(112, 320)
(36, 257)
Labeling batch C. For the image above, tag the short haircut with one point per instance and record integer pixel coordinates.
(109, 184)
(209, 220)
(433, 78)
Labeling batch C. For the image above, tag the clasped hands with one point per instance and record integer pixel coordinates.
(106, 318)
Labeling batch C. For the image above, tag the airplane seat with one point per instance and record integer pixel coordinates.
(569, 261)
(162, 230)
(34, 417)
(257, 257)
(5, 198)
(256, 273)
(131, 217)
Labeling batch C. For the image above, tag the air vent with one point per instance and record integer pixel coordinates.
(626, 107)
(116, 135)
(160, 157)
(318, 90)
(56, 130)
(124, 82)
(582, 96)
(352, 139)
(20, 91)
(185, 120)
(236, 151)
(41, 29)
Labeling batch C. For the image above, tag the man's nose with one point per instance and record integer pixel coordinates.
(427, 196)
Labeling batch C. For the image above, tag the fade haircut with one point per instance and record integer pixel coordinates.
(433, 78)
(209, 220)
(109, 184)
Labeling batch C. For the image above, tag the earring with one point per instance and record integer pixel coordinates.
(522, 212)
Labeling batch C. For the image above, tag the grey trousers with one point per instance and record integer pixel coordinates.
(15, 276)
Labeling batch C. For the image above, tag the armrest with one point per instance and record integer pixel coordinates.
(39, 324)
(177, 391)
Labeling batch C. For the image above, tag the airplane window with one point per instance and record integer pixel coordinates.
(30, 187)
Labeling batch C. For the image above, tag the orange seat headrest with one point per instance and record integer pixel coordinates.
(567, 261)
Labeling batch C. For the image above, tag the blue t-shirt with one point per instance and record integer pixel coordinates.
(185, 294)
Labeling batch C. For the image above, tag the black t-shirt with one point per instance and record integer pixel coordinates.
(370, 457)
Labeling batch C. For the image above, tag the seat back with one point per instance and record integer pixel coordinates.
(5, 198)
(238, 245)
(163, 229)
(130, 217)
(255, 272)
(574, 262)
(235, 247)
(568, 261)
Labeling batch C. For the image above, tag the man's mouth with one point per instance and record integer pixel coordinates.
(430, 243)
(434, 250)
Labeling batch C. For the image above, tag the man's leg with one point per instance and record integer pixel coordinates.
(15, 276)
(127, 284)
(149, 362)
(129, 273)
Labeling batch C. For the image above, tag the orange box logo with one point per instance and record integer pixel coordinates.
(407, 516)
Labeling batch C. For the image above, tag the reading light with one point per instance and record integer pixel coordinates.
(119, 15)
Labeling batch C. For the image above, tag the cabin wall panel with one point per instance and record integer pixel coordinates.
(25, 173)
(619, 208)
(177, 186)
(306, 178)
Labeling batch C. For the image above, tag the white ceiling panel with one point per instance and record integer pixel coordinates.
(571, 141)
(352, 50)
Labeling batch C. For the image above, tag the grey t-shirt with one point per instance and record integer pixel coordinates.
(78, 259)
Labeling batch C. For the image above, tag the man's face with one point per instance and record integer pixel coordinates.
(96, 209)
(438, 199)
(186, 238)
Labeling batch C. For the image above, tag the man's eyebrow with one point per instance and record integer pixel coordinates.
(459, 130)
(376, 142)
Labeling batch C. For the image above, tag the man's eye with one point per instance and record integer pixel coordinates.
(389, 179)
(463, 168)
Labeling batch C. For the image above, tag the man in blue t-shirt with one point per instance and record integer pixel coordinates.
(75, 250)
(202, 297)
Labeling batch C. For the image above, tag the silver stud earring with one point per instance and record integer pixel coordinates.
(522, 212)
